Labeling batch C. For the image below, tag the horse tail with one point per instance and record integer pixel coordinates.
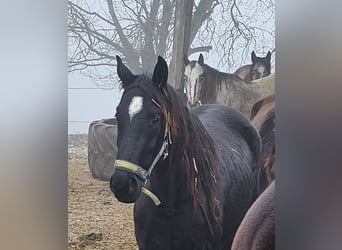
(252, 137)
(254, 142)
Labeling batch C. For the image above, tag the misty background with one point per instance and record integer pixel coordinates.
(87, 103)
(34, 145)
(225, 32)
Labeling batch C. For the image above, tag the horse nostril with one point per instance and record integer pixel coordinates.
(132, 187)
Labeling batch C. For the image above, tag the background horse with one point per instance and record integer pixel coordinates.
(197, 168)
(263, 118)
(205, 85)
(257, 230)
(260, 67)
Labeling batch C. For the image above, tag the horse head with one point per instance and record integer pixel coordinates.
(261, 66)
(193, 80)
(142, 129)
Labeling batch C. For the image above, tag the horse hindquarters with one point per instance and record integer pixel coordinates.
(257, 230)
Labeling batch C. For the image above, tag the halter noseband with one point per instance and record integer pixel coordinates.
(142, 173)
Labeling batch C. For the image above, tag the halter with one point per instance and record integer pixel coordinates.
(142, 173)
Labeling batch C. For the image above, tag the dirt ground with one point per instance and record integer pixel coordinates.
(96, 220)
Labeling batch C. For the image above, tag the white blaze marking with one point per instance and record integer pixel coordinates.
(261, 70)
(191, 88)
(135, 106)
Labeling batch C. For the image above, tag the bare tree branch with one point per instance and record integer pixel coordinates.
(203, 11)
(138, 31)
(131, 58)
(200, 49)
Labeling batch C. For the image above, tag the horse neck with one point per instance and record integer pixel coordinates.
(226, 84)
(212, 84)
(170, 186)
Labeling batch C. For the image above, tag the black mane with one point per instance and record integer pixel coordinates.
(193, 145)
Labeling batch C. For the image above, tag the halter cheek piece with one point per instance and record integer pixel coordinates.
(142, 173)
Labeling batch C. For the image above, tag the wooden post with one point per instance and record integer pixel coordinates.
(183, 15)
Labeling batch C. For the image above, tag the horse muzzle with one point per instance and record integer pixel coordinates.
(128, 180)
(125, 183)
(195, 104)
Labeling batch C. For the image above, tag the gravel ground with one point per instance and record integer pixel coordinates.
(96, 220)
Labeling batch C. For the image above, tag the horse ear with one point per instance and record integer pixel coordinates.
(201, 60)
(124, 73)
(268, 56)
(160, 73)
(186, 60)
(253, 57)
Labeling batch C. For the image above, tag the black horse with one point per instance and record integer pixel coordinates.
(204, 163)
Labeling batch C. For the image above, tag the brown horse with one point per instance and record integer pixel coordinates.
(263, 118)
(257, 229)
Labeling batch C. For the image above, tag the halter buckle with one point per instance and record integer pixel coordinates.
(166, 153)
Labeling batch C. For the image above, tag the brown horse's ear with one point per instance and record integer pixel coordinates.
(186, 60)
(124, 73)
(253, 57)
(160, 73)
(201, 60)
(268, 56)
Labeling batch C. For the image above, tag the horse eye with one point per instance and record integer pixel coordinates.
(201, 77)
(155, 119)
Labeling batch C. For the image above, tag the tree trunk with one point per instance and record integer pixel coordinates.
(181, 44)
